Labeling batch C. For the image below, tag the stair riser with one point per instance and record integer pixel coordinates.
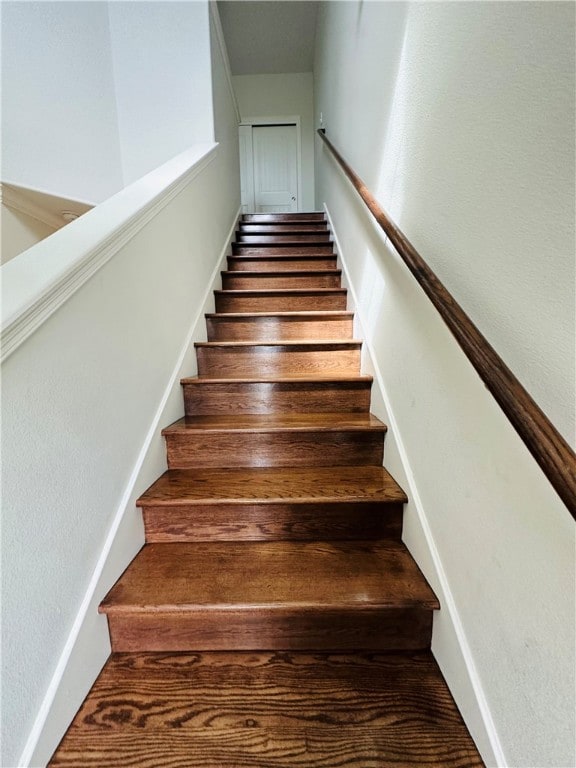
(275, 449)
(278, 328)
(316, 238)
(275, 397)
(283, 217)
(279, 303)
(240, 282)
(337, 521)
(270, 361)
(212, 630)
(279, 264)
(307, 249)
(276, 228)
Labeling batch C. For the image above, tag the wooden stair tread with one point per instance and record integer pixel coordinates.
(282, 256)
(285, 575)
(268, 710)
(299, 216)
(272, 231)
(327, 314)
(277, 422)
(302, 227)
(283, 241)
(203, 380)
(273, 485)
(290, 344)
(307, 273)
(280, 291)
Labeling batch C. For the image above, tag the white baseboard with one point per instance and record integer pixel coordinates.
(88, 644)
(449, 644)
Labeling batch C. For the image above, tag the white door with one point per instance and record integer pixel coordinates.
(269, 168)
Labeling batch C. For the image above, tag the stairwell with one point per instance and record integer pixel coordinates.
(274, 617)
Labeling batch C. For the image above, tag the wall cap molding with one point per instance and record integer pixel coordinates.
(37, 282)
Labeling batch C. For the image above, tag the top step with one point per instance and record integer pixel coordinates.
(272, 217)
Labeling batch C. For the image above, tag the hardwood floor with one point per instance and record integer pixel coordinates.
(265, 710)
(274, 616)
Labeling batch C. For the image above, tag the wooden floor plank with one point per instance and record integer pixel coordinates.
(237, 710)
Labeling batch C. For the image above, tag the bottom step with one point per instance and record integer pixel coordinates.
(267, 710)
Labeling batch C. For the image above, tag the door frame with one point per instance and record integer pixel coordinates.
(247, 156)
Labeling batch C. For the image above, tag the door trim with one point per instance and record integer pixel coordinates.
(275, 120)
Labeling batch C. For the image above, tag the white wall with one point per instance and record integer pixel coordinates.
(161, 62)
(19, 232)
(279, 96)
(226, 116)
(96, 94)
(60, 125)
(459, 116)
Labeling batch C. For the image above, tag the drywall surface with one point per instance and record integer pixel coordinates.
(81, 397)
(161, 64)
(280, 96)
(60, 126)
(97, 94)
(19, 232)
(226, 117)
(459, 116)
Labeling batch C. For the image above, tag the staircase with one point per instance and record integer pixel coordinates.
(274, 617)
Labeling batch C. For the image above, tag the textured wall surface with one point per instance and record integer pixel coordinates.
(460, 117)
(161, 61)
(59, 118)
(97, 94)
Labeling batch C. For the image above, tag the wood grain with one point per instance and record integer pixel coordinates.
(213, 629)
(278, 440)
(206, 396)
(294, 448)
(276, 595)
(288, 358)
(316, 237)
(304, 485)
(328, 521)
(231, 710)
(553, 454)
(280, 300)
(280, 262)
(345, 503)
(279, 326)
(308, 577)
(277, 249)
(243, 280)
(275, 227)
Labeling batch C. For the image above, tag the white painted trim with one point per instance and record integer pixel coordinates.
(447, 599)
(73, 254)
(17, 201)
(246, 168)
(224, 51)
(289, 120)
(99, 576)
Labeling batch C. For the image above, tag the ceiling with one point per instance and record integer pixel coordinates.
(269, 38)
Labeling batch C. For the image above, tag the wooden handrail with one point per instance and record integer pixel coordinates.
(545, 443)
